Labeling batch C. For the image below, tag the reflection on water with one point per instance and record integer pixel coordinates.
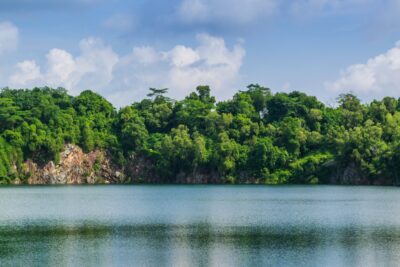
(199, 226)
(197, 245)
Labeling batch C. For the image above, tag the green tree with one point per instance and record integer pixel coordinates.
(132, 130)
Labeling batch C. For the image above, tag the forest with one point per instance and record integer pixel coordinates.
(272, 138)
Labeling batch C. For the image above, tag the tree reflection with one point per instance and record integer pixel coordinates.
(203, 244)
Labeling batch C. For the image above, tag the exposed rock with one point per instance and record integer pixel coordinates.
(351, 174)
(75, 167)
(139, 170)
(198, 177)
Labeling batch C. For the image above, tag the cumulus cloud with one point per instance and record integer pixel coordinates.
(181, 56)
(125, 78)
(27, 72)
(210, 63)
(8, 37)
(378, 77)
(181, 69)
(145, 55)
(91, 69)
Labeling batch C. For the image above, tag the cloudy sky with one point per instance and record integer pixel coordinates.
(120, 48)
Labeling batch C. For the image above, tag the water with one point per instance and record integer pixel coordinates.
(199, 226)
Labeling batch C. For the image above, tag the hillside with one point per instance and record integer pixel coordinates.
(255, 137)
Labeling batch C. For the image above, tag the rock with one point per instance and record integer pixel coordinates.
(17, 181)
(350, 174)
(75, 167)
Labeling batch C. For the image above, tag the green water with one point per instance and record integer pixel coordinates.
(199, 226)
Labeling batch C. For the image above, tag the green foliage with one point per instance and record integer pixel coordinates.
(309, 169)
(264, 158)
(37, 123)
(268, 138)
(132, 130)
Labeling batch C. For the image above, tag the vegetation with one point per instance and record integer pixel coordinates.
(264, 137)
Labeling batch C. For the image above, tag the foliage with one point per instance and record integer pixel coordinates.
(266, 137)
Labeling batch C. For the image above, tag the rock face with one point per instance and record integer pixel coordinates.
(140, 170)
(75, 167)
(198, 177)
(349, 175)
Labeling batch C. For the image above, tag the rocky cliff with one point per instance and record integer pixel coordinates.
(74, 167)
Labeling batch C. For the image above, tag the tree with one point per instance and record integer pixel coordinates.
(194, 109)
(154, 92)
(292, 135)
(227, 153)
(259, 96)
(132, 130)
(264, 158)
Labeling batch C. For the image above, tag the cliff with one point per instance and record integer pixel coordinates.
(74, 167)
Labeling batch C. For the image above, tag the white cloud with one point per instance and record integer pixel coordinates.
(61, 66)
(182, 68)
(27, 72)
(126, 78)
(145, 55)
(225, 11)
(181, 56)
(92, 69)
(8, 37)
(378, 77)
(96, 63)
(212, 63)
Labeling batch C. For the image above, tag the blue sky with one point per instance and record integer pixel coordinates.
(120, 48)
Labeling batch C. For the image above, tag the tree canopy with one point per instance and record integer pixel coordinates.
(264, 137)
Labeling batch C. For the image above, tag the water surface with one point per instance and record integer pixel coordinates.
(199, 226)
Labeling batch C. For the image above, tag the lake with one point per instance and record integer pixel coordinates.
(199, 226)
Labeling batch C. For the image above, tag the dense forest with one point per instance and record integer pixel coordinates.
(255, 136)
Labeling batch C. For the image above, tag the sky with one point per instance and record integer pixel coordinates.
(120, 48)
